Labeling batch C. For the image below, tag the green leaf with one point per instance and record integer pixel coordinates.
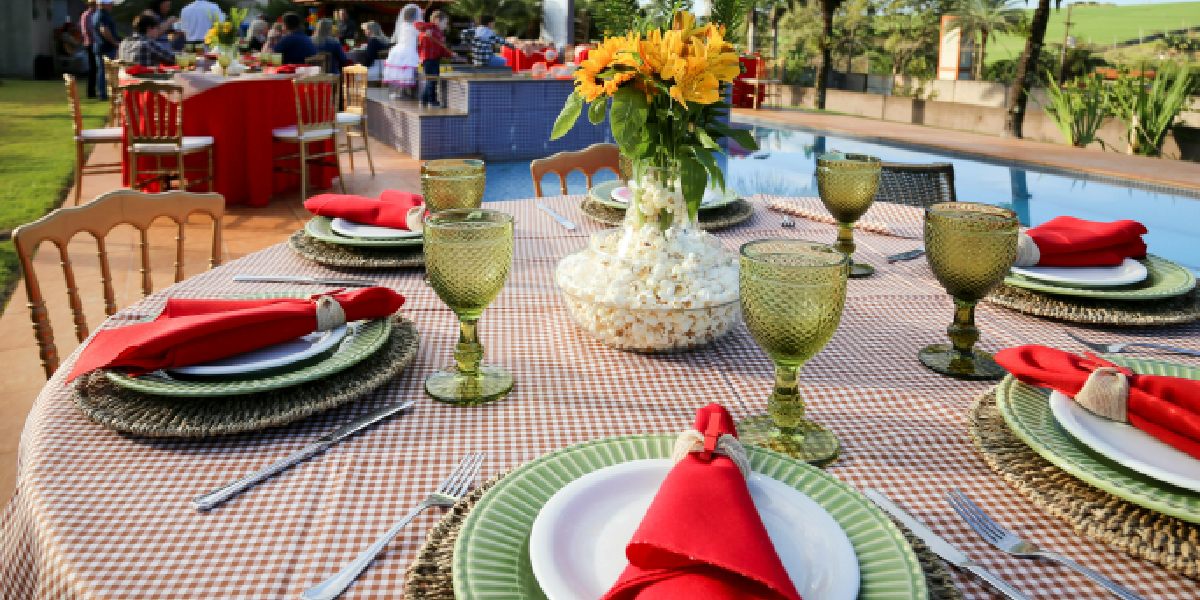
(596, 110)
(710, 164)
(694, 179)
(566, 119)
(741, 136)
(628, 118)
(706, 140)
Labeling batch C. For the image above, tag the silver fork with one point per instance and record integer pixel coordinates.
(1116, 348)
(448, 492)
(1007, 541)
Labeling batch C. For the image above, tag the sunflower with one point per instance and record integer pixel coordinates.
(607, 67)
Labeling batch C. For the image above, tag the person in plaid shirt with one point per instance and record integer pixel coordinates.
(484, 42)
(142, 48)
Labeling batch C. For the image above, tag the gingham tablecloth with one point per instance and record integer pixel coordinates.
(101, 515)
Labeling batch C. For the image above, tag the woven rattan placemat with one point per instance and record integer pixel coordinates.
(429, 577)
(355, 257)
(1146, 534)
(1170, 311)
(161, 416)
(719, 218)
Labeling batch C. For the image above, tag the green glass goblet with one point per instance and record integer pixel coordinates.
(453, 183)
(468, 253)
(970, 248)
(792, 293)
(847, 184)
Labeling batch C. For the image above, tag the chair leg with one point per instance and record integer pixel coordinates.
(349, 146)
(337, 160)
(304, 172)
(78, 172)
(212, 175)
(183, 182)
(367, 146)
(133, 170)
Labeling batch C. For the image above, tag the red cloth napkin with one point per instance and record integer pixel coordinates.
(1167, 408)
(702, 536)
(195, 331)
(135, 70)
(390, 210)
(284, 69)
(1070, 242)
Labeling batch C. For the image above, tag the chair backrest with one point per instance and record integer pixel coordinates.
(73, 103)
(98, 218)
(320, 59)
(589, 160)
(153, 113)
(919, 185)
(354, 88)
(316, 105)
(112, 81)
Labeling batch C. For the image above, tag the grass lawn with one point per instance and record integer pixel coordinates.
(37, 157)
(1103, 25)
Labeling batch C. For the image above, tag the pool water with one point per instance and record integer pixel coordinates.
(785, 162)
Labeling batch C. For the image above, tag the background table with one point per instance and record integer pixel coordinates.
(98, 514)
(239, 113)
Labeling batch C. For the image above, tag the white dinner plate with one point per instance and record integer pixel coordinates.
(1126, 273)
(1126, 445)
(577, 545)
(713, 197)
(359, 230)
(271, 357)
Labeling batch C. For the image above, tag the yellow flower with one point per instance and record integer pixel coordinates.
(613, 52)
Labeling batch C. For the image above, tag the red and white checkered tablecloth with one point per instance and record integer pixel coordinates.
(98, 514)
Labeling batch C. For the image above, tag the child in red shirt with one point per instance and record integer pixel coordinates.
(431, 47)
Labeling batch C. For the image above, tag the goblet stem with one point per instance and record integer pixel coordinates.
(845, 239)
(468, 352)
(785, 405)
(963, 333)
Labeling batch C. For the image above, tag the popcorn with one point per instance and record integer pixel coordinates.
(640, 288)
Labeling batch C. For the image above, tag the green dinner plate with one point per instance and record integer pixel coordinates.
(491, 556)
(602, 193)
(1166, 280)
(370, 337)
(319, 227)
(1026, 409)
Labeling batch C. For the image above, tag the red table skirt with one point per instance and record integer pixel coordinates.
(519, 62)
(239, 116)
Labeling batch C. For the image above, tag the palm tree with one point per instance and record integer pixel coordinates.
(1018, 95)
(828, 7)
(985, 18)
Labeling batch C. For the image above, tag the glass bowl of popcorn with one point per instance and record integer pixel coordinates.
(651, 293)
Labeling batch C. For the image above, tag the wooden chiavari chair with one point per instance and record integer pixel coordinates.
(88, 137)
(316, 121)
(352, 122)
(154, 128)
(589, 160)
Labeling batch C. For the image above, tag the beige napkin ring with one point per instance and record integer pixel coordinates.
(329, 313)
(1106, 393)
(415, 219)
(691, 441)
(1028, 254)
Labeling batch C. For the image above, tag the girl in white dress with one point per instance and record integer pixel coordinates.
(400, 68)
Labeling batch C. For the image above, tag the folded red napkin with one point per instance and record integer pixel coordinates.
(390, 210)
(195, 331)
(135, 70)
(1070, 242)
(702, 536)
(284, 69)
(1167, 408)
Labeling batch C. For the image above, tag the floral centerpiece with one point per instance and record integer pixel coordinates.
(224, 37)
(658, 282)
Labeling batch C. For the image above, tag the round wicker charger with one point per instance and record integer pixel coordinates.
(1146, 534)
(1087, 311)
(355, 257)
(719, 218)
(160, 416)
(429, 577)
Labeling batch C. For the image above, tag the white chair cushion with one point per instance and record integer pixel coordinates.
(348, 118)
(291, 133)
(105, 133)
(190, 142)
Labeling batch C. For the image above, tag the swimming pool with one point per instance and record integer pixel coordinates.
(784, 165)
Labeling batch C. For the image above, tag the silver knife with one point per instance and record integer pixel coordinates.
(940, 546)
(557, 217)
(302, 279)
(910, 255)
(215, 498)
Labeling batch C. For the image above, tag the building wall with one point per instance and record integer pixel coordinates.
(27, 30)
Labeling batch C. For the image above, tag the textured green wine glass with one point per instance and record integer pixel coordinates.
(847, 184)
(792, 293)
(970, 248)
(468, 253)
(453, 183)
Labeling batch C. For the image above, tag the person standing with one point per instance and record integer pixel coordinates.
(431, 46)
(197, 18)
(294, 47)
(85, 31)
(484, 42)
(400, 68)
(105, 42)
(377, 42)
